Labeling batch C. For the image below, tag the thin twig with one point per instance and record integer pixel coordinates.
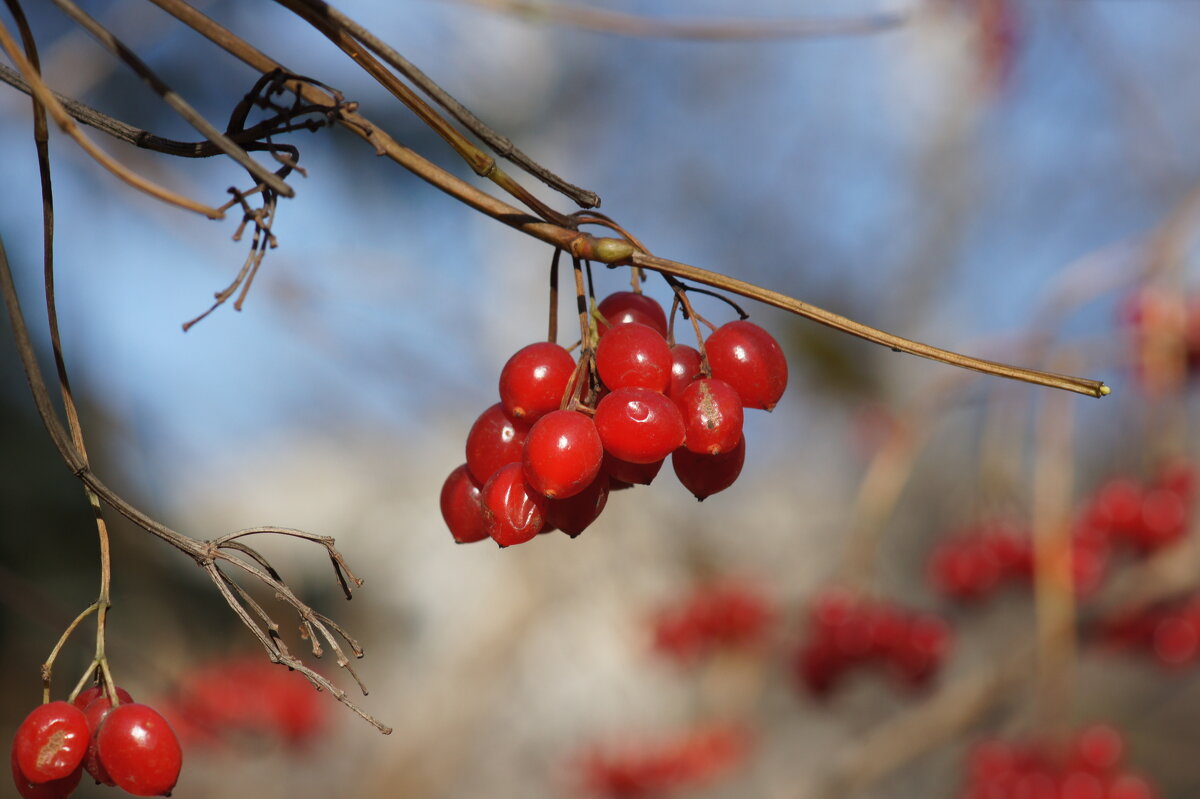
(177, 103)
(68, 126)
(615, 22)
(499, 144)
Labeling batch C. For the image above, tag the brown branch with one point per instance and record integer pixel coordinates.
(500, 145)
(317, 15)
(177, 103)
(615, 22)
(68, 126)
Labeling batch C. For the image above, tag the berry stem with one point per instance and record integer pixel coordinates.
(553, 315)
(48, 666)
(41, 141)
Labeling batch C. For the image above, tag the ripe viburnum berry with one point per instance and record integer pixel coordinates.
(574, 514)
(705, 475)
(634, 355)
(534, 380)
(139, 750)
(86, 697)
(494, 440)
(53, 789)
(685, 368)
(96, 711)
(515, 511)
(628, 473)
(51, 742)
(562, 454)
(462, 507)
(639, 425)
(712, 416)
(748, 358)
(623, 307)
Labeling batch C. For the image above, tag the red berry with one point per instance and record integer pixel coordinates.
(139, 750)
(1098, 748)
(85, 698)
(1129, 786)
(515, 512)
(51, 742)
(628, 473)
(634, 355)
(712, 416)
(639, 425)
(705, 475)
(494, 441)
(623, 307)
(748, 358)
(97, 710)
(685, 368)
(534, 380)
(575, 514)
(462, 507)
(562, 454)
(54, 789)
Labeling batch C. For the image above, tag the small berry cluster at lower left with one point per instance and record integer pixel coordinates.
(127, 745)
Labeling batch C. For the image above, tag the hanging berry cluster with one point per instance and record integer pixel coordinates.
(1090, 768)
(688, 760)
(847, 631)
(1121, 514)
(713, 616)
(1169, 631)
(125, 744)
(568, 431)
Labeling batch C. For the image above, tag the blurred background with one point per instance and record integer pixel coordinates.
(1007, 178)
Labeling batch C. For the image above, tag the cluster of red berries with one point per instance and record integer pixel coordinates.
(686, 761)
(846, 631)
(1121, 513)
(1170, 631)
(246, 695)
(973, 563)
(713, 616)
(1089, 769)
(1161, 323)
(1144, 516)
(565, 433)
(128, 745)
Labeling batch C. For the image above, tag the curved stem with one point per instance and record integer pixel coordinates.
(1079, 385)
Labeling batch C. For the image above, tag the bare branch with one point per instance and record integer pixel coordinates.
(604, 21)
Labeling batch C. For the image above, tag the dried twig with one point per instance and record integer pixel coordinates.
(605, 21)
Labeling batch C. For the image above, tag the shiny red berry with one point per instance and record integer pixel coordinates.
(575, 514)
(634, 355)
(494, 441)
(562, 454)
(85, 698)
(139, 750)
(748, 358)
(630, 474)
(51, 742)
(712, 416)
(53, 789)
(96, 711)
(515, 512)
(462, 507)
(705, 475)
(534, 380)
(624, 307)
(639, 425)
(685, 368)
